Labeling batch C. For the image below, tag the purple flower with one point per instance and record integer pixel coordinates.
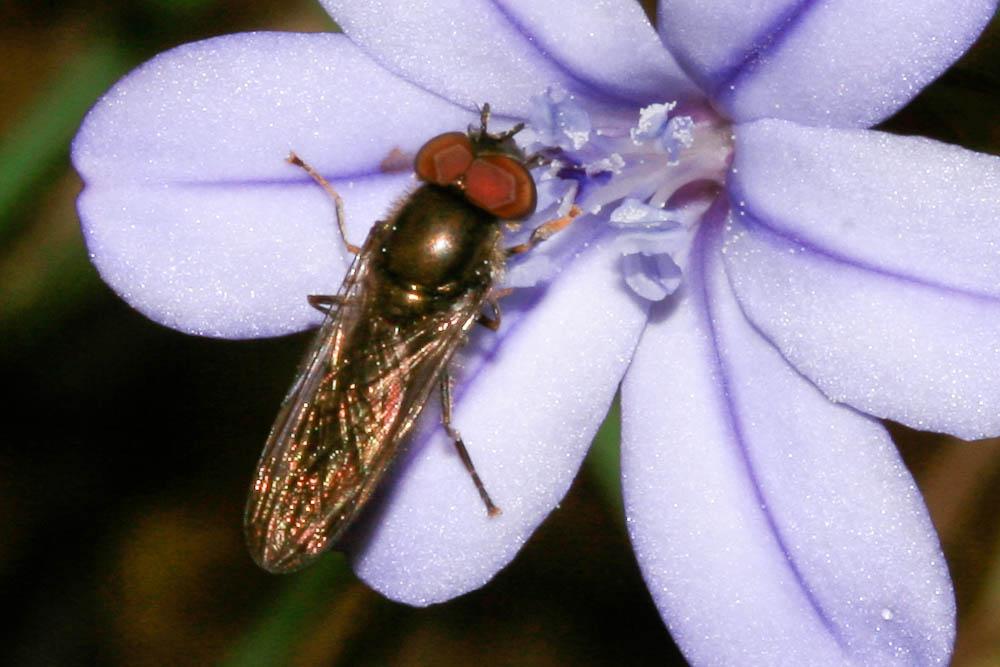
(758, 271)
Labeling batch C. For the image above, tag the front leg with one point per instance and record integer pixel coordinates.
(338, 203)
(545, 231)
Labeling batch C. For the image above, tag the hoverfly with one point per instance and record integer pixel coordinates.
(418, 284)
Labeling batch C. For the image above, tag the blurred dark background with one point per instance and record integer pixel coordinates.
(128, 447)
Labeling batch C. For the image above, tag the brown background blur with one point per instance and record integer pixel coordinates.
(127, 447)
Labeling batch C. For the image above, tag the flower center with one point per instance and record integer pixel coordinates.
(648, 185)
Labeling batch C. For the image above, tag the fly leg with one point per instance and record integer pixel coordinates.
(325, 303)
(337, 201)
(484, 121)
(463, 453)
(484, 118)
(545, 231)
(493, 323)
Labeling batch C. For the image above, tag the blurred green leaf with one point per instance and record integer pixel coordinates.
(281, 629)
(174, 7)
(604, 460)
(41, 139)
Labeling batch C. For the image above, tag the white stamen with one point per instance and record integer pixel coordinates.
(635, 173)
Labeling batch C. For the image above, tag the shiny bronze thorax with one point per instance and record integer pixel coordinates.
(436, 246)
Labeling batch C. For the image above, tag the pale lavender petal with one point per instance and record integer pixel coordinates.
(711, 38)
(230, 260)
(843, 63)
(904, 205)
(528, 406)
(190, 210)
(610, 44)
(505, 51)
(873, 263)
(772, 526)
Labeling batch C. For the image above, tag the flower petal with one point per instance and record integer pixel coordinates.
(772, 526)
(191, 211)
(233, 261)
(907, 205)
(843, 63)
(528, 406)
(505, 51)
(873, 263)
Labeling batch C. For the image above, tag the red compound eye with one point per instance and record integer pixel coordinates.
(500, 185)
(444, 158)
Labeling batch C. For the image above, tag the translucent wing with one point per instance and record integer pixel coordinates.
(364, 381)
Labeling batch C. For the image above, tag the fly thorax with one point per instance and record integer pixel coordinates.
(646, 183)
(439, 245)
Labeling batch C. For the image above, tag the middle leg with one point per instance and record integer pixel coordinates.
(463, 453)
